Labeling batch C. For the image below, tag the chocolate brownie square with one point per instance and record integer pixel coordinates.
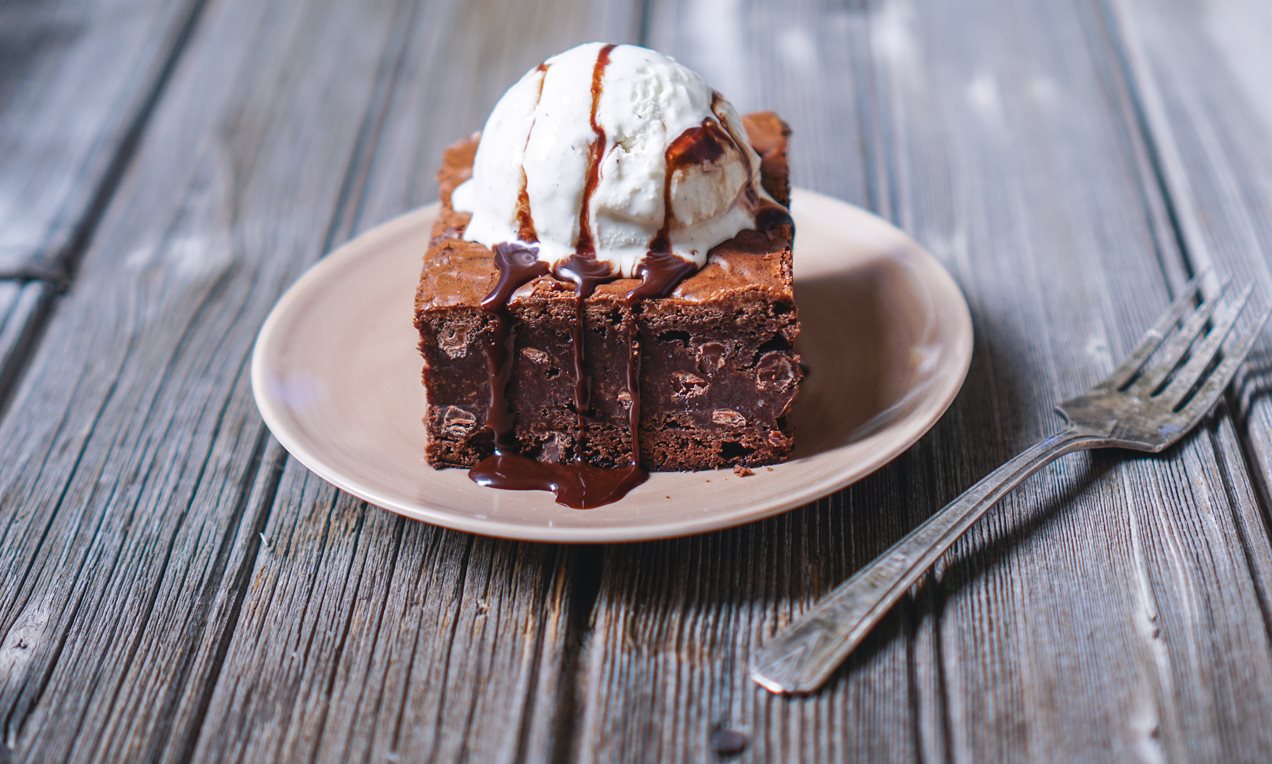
(718, 371)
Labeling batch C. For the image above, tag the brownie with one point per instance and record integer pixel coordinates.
(718, 368)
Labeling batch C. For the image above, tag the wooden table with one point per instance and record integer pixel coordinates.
(174, 587)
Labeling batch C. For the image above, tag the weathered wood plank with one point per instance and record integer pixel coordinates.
(105, 64)
(1202, 78)
(364, 635)
(21, 306)
(132, 444)
(1104, 610)
(1125, 620)
(664, 669)
(77, 80)
(137, 513)
(397, 639)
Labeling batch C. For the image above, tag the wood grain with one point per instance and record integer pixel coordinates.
(21, 306)
(161, 542)
(177, 588)
(405, 641)
(132, 447)
(1130, 610)
(77, 81)
(675, 623)
(1104, 610)
(1203, 89)
(365, 636)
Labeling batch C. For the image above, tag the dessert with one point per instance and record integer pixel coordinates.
(608, 286)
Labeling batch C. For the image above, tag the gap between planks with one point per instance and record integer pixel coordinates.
(349, 197)
(1146, 133)
(1223, 422)
(1132, 48)
(584, 564)
(59, 277)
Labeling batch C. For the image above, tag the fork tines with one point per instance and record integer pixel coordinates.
(1187, 358)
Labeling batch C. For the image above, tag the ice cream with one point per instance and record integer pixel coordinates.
(611, 153)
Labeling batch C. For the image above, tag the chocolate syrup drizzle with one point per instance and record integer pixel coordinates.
(525, 220)
(577, 483)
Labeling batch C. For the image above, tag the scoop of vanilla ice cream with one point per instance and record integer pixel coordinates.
(540, 134)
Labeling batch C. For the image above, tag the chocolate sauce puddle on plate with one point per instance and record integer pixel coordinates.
(576, 483)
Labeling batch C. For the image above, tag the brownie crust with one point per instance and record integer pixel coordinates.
(718, 369)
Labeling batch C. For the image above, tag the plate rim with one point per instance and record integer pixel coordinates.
(273, 417)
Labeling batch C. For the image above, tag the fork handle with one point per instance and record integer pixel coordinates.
(804, 656)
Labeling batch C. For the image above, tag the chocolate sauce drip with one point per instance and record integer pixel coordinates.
(518, 263)
(586, 245)
(661, 269)
(586, 273)
(660, 273)
(699, 145)
(576, 484)
(525, 221)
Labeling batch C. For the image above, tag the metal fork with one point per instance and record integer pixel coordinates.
(1172, 379)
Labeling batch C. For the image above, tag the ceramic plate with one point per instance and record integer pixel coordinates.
(886, 336)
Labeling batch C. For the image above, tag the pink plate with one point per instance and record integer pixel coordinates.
(886, 334)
